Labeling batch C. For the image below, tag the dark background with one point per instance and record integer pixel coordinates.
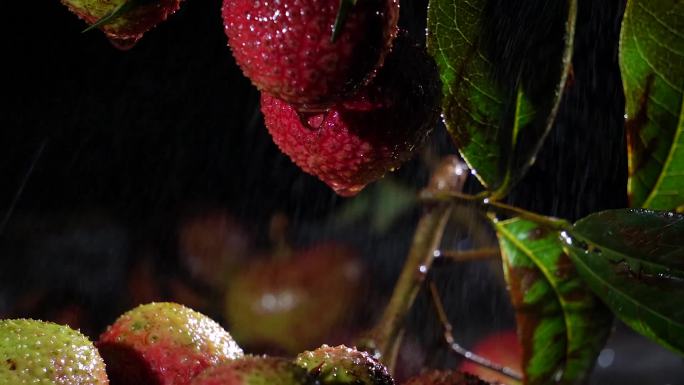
(118, 145)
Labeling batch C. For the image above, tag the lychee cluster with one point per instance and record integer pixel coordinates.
(347, 109)
(344, 94)
(170, 344)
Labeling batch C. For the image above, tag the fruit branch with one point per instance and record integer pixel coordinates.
(385, 337)
(458, 349)
(470, 255)
(492, 206)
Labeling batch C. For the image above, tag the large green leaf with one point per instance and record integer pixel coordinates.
(634, 260)
(503, 66)
(561, 324)
(652, 64)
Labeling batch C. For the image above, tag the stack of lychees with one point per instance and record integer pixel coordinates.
(170, 344)
(343, 96)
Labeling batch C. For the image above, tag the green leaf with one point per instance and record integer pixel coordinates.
(500, 84)
(342, 13)
(634, 260)
(117, 12)
(562, 325)
(652, 65)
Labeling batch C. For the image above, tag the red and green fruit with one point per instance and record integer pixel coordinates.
(163, 343)
(502, 348)
(210, 245)
(341, 365)
(285, 47)
(129, 26)
(359, 140)
(36, 352)
(254, 370)
(291, 303)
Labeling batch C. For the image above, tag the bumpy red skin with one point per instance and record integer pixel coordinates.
(150, 356)
(357, 141)
(284, 47)
(162, 363)
(130, 27)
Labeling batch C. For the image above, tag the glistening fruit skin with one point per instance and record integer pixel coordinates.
(253, 370)
(45, 353)
(163, 344)
(284, 47)
(357, 141)
(445, 377)
(291, 303)
(126, 30)
(341, 365)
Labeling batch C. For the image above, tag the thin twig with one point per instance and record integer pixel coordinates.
(458, 349)
(470, 255)
(489, 205)
(22, 185)
(385, 337)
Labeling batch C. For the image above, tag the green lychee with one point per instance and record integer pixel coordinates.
(37, 352)
(254, 370)
(341, 365)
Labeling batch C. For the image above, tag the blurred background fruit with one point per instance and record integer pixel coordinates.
(211, 245)
(295, 301)
(501, 347)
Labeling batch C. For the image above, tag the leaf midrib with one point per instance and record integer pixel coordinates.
(675, 140)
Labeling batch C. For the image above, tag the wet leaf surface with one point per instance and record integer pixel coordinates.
(634, 260)
(652, 65)
(562, 324)
(501, 88)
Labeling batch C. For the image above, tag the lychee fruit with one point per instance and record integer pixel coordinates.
(359, 140)
(286, 49)
(37, 352)
(164, 344)
(341, 365)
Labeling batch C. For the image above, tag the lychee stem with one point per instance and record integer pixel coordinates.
(385, 337)
(492, 206)
(458, 349)
(484, 253)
